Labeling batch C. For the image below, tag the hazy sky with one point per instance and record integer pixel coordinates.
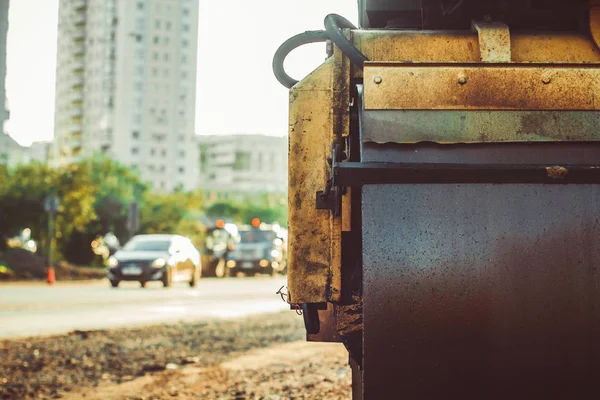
(236, 90)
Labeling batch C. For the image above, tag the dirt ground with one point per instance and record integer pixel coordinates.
(260, 357)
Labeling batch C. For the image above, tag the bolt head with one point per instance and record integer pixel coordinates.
(546, 79)
(462, 79)
(377, 80)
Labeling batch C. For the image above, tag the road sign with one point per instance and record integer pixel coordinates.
(51, 204)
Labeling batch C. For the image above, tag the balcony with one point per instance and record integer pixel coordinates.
(79, 20)
(73, 142)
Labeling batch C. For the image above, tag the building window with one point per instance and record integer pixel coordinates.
(184, 43)
(186, 27)
(157, 24)
(135, 150)
(182, 153)
(155, 56)
(186, 11)
(181, 170)
(140, 6)
(163, 168)
(166, 57)
(156, 40)
(164, 153)
(135, 134)
(242, 161)
(152, 152)
(168, 25)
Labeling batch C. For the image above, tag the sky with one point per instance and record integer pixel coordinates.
(236, 91)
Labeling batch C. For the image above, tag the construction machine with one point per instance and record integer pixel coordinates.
(444, 197)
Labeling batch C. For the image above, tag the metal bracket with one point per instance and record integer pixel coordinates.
(331, 197)
(494, 41)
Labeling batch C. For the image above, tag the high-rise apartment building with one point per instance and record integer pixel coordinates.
(126, 86)
(4, 114)
(243, 163)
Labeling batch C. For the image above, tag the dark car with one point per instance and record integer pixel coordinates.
(259, 250)
(165, 258)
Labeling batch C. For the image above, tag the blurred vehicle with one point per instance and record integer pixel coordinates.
(259, 249)
(106, 245)
(23, 241)
(165, 258)
(218, 242)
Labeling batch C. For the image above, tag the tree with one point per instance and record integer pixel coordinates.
(222, 209)
(24, 190)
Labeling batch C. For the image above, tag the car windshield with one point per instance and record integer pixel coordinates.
(148, 245)
(257, 236)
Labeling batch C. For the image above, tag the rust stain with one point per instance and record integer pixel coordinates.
(498, 87)
(557, 172)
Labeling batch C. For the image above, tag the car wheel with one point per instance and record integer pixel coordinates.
(143, 284)
(166, 278)
(195, 277)
(114, 283)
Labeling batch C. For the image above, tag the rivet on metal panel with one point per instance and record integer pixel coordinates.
(462, 79)
(546, 79)
(377, 80)
(557, 172)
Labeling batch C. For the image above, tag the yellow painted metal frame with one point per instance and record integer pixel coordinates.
(319, 115)
(510, 87)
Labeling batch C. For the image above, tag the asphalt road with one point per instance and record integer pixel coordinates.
(31, 309)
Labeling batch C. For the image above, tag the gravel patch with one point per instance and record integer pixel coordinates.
(192, 360)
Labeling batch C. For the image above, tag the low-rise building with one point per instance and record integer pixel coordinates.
(11, 152)
(243, 163)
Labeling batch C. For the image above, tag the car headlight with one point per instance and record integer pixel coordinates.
(159, 263)
(274, 253)
(112, 261)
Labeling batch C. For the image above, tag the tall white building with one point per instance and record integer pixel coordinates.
(243, 163)
(126, 86)
(4, 114)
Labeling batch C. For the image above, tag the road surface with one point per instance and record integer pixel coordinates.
(31, 309)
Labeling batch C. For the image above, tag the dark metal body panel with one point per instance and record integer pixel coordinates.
(481, 290)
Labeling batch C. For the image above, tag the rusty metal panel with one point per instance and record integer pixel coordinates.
(483, 87)
(410, 126)
(481, 291)
(309, 253)
(314, 257)
(463, 47)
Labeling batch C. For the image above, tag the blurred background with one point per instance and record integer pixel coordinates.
(143, 198)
